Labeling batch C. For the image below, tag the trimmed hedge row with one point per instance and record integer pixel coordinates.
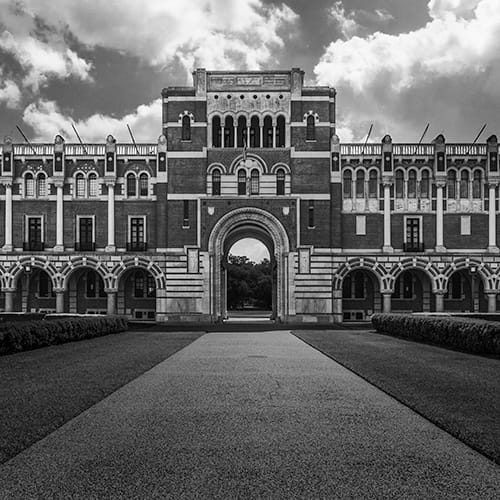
(22, 336)
(467, 334)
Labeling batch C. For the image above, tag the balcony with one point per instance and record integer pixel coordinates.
(85, 246)
(137, 246)
(413, 247)
(33, 246)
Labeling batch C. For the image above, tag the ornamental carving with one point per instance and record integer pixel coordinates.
(272, 103)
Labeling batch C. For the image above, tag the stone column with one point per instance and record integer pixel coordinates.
(161, 304)
(111, 218)
(261, 131)
(492, 220)
(59, 217)
(274, 136)
(492, 302)
(111, 302)
(439, 217)
(337, 306)
(235, 132)
(387, 218)
(439, 294)
(223, 137)
(386, 302)
(9, 300)
(8, 218)
(59, 301)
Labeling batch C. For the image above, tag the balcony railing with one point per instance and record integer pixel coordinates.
(138, 246)
(33, 246)
(413, 247)
(85, 246)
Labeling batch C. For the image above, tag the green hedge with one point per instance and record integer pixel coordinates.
(467, 334)
(21, 336)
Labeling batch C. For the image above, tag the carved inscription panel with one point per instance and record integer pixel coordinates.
(270, 81)
(249, 102)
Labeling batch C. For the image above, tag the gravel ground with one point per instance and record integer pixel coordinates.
(457, 391)
(249, 416)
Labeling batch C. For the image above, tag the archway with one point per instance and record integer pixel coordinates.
(250, 222)
(465, 292)
(137, 294)
(85, 292)
(360, 295)
(412, 292)
(34, 291)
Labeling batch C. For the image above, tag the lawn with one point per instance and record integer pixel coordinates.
(42, 389)
(458, 392)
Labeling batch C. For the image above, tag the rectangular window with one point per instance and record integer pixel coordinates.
(185, 219)
(465, 225)
(413, 243)
(44, 285)
(137, 236)
(34, 233)
(86, 233)
(310, 214)
(361, 225)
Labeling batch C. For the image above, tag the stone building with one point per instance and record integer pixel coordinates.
(145, 229)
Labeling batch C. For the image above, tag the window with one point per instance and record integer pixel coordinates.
(92, 185)
(360, 225)
(310, 214)
(360, 184)
(80, 185)
(267, 132)
(412, 184)
(242, 182)
(139, 283)
(229, 132)
(310, 128)
(144, 285)
(85, 234)
(185, 219)
(464, 184)
(403, 287)
(44, 285)
(41, 186)
(465, 225)
(137, 237)
(452, 184)
(186, 128)
(413, 242)
(216, 132)
(29, 186)
(254, 132)
(34, 233)
(347, 184)
(131, 185)
(477, 185)
(254, 181)
(399, 184)
(143, 184)
(241, 132)
(373, 184)
(347, 287)
(94, 285)
(280, 132)
(216, 182)
(280, 182)
(424, 184)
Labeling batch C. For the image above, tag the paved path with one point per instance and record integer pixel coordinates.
(249, 416)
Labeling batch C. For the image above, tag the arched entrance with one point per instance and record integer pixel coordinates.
(255, 223)
(360, 295)
(85, 292)
(34, 291)
(413, 292)
(137, 294)
(465, 292)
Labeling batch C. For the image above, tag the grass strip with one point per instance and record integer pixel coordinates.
(456, 391)
(44, 388)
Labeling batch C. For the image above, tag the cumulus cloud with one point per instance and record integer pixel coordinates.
(345, 22)
(408, 78)
(10, 94)
(47, 120)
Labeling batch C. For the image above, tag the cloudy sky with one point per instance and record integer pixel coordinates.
(398, 64)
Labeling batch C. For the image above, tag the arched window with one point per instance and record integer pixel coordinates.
(254, 132)
(424, 184)
(373, 184)
(464, 184)
(242, 132)
(268, 132)
(41, 186)
(360, 184)
(347, 184)
(216, 182)
(229, 132)
(280, 182)
(144, 285)
(80, 185)
(280, 132)
(131, 185)
(186, 128)
(254, 181)
(399, 184)
(143, 184)
(452, 184)
(310, 128)
(412, 184)
(242, 182)
(216, 132)
(477, 185)
(93, 189)
(29, 185)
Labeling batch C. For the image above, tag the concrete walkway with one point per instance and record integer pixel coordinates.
(249, 415)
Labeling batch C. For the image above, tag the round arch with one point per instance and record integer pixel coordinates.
(80, 263)
(488, 279)
(420, 264)
(361, 264)
(237, 162)
(256, 223)
(137, 263)
(16, 270)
